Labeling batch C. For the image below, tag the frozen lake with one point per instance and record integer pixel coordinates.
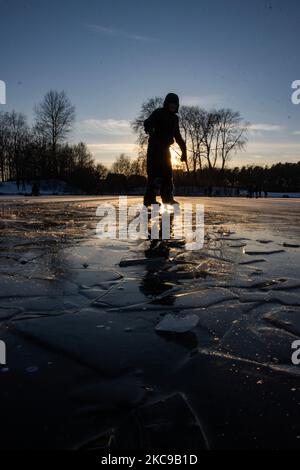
(125, 342)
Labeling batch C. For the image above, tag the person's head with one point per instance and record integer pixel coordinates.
(172, 103)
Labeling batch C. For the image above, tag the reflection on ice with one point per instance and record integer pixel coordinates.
(82, 315)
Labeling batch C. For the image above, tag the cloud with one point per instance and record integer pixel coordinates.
(117, 146)
(203, 101)
(119, 127)
(296, 133)
(117, 33)
(276, 147)
(265, 128)
(106, 153)
(257, 130)
(267, 153)
(259, 153)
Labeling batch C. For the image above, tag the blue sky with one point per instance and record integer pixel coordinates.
(110, 56)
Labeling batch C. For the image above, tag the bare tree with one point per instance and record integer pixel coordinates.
(138, 124)
(54, 117)
(138, 127)
(232, 133)
(122, 165)
(211, 136)
(82, 157)
(135, 167)
(209, 122)
(191, 122)
(101, 171)
(18, 138)
(4, 144)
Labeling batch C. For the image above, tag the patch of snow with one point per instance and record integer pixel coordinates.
(46, 188)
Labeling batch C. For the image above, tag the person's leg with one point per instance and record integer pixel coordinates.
(151, 191)
(167, 190)
(153, 171)
(167, 186)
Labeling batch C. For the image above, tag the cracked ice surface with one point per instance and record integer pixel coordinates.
(92, 358)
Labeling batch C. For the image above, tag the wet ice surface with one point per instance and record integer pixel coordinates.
(106, 339)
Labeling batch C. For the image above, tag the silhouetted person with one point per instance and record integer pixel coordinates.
(163, 128)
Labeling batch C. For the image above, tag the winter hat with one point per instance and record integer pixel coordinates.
(171, 98)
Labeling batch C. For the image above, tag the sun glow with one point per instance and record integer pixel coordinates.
(174, 158)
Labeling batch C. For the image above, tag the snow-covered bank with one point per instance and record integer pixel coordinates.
(51, 187)
(60, 188)
(287, 195)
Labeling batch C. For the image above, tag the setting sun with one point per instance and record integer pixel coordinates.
(175, 159)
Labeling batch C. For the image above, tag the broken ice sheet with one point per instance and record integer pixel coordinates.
(177, 324)
(92, 277)
(285, 318)
(263, 252)
(93, 255)
(18, 286)
(271, 296)
(168, 423)
(219, 319)
(9, 312)
(142, 261)
(205, 298)
(110, 351)
(46, 305)
(291, 245)
(258, 342)
(94, 396)
(123, 294)
(112, 345)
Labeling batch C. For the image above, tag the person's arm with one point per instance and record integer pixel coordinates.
(149, 124)
(180, 142)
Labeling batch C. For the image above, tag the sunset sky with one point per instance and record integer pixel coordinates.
(110, 56)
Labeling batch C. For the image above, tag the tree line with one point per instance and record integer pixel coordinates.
(42, 152)
(279, 177)
(211, 136)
